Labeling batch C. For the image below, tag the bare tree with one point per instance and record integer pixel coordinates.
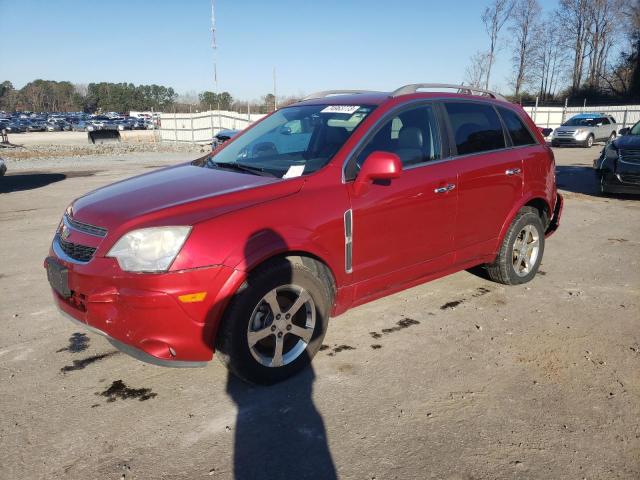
(605, 19)
(476, 71)
(524, 21)
(494, 17)
(548, 56)
(576, 20)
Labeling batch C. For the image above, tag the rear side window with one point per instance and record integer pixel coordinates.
(520, 134)
(476, 127)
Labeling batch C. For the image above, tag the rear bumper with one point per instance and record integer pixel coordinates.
(144, 315)
(555, 219)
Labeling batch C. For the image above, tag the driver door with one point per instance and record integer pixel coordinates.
(403, 230)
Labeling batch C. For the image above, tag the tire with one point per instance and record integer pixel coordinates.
(256, 361)
(603, 185)
(589, 142)
(503, 269)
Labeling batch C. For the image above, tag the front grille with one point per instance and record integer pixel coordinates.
(630, 155)
(565, 133)
(630, 178)
(80, 253)
(86, 228)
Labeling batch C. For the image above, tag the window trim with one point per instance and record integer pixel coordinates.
(381, 122)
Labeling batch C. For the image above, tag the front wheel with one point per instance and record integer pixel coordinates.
(275, 324)
(521, 251)
(589, 142)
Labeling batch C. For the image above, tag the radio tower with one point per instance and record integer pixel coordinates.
(214, 47)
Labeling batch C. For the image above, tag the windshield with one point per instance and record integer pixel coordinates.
(293, 141)
(580, 122)
(635, 130)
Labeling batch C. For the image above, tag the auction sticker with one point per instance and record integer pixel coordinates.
(348, 109)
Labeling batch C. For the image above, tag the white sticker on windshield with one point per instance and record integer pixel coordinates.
(349, 109)
(294, 171)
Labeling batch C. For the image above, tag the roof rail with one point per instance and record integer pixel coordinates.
(414, 87)
(328, 93)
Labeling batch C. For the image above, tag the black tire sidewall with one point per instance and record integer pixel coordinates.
(231, 342)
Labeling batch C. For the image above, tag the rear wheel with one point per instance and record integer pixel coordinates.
(521, 251)
(275, 324)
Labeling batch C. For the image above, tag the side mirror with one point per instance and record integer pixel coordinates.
(546, 132)
(378, 166)
(624, 131)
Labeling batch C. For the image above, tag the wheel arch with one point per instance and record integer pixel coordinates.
(535, 200)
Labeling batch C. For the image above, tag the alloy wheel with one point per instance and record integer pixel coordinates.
(526, 248)
(281, 326)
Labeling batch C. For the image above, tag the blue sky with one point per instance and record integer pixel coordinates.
(314, 45)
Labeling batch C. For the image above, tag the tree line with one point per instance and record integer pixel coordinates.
(52, 96)
(570, 51)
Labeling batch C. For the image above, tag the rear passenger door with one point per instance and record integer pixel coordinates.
(489, 176)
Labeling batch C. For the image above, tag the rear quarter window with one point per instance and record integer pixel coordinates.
(476, 127)
(518, 131)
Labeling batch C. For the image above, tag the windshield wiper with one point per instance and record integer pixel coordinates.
(242, 167)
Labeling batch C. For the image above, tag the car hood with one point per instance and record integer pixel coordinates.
(185, 194)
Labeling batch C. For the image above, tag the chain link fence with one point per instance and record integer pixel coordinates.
(553, 117)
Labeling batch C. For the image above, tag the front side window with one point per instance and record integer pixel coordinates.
(412, 135)
(520, 134)
(476, 127)
(292, 141)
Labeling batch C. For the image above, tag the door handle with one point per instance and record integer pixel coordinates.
(513, 171)
(445, 189)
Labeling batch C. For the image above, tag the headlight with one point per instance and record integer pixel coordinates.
(580, 133)
(611, 152)
(149, 249)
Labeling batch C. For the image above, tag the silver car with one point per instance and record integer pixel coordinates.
(585, 129)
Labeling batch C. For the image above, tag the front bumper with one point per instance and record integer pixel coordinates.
(620, 183)
(557, 141)
(143, 314)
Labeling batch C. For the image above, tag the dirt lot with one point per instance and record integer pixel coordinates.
(459, 379)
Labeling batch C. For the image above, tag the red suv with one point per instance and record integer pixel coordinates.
(330, 203)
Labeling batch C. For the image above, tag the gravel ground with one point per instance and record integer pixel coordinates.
(459, 378)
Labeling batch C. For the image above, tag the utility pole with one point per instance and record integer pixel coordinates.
(275, 96)
(214, 47)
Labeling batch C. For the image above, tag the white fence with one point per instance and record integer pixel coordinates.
(201, 127)
(553, 117)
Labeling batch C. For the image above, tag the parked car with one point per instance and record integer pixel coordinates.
(14, 127)
(618, 166)
(222, 137)
(80, 126)
(585, 129)
(319, 207)
(53, 127)
(36, 126)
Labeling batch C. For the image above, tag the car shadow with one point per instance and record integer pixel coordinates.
(28, 181)
(279, 433)
(578, 179)
(584, 180)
